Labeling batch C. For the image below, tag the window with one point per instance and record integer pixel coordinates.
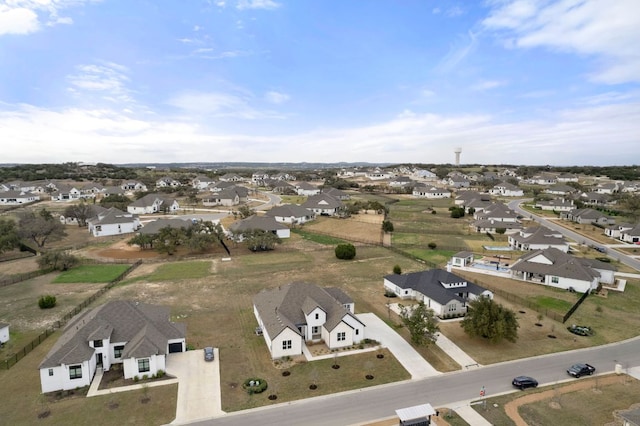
(51, 372)
(315, 330)
(286, 344)
(75, 372)
(97, 343)
(357, 332)
(555, 280)
(342, 336)
(117, 351)
(143, 365)
(317, 315)
(452, 307)
(98, 228)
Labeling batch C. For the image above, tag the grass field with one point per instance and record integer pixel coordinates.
(181, 271)
(91, 274)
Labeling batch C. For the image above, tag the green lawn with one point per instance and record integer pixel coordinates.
(91, 274)
(181, 271)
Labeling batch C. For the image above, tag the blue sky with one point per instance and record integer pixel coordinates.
(396, 81)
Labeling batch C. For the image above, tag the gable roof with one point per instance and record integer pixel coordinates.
(144, 328)
(285, 306)
(155, 226)
(289, 210)
(562, 265)
(263, 223)
(432, 284)
(322, 201)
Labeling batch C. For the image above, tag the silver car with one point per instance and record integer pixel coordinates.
(208, 353)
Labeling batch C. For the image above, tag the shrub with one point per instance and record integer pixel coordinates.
(433, 212)
(145, 377)
(254, 385)
(387, 226)
(160, 373)
(432, 245)
(47, 302)
(136, 379)
(397, 269)
(345, 251)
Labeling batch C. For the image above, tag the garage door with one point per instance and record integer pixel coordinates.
(175, 347)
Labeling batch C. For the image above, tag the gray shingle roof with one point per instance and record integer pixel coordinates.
(155, 226)
(285, 306)
(263, 223)
(562, 265)
(145, 328)
(430, 283)
(289, 210)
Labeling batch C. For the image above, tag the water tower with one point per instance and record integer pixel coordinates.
(457, 151)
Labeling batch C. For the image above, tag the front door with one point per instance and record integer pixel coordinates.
(99, 360)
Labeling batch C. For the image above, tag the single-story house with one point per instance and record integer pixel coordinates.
(507, 189)
(557, 204)
(8, 198)
(538, 238)
(4, 333)
(497, 212)
(336, 193)
(292, 214)
(631, 235)
(261, 223)
(588, 216)
(307, 189)
(445, 293)
(492, 226)
(431, 192)
(153, 227)
(201, 182)
(153, 203)
(555, 268)
(137, 335)
(324, 204)
(227, 197)
(167, 182)
(113, 222)
(464, 197)
(134, 186)
(296, 313)
(615, 231)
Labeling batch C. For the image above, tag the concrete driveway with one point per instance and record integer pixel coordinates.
(199, 394)
(410, 359)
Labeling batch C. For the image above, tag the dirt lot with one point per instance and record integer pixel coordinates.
(360, 228)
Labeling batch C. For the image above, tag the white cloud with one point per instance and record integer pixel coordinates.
(213, 104)
(608, 31)
(25, 16)
(487, 85)
(457, 53)
(257, 4)
(18, 21)
(107, 79)
(276, 97)
(454, 11)
(565, 137)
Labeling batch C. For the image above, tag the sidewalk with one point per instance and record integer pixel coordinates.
(95, 384)
(455, 352)
(470, 415)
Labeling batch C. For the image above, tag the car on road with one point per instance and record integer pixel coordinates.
(208, 353)
(581, 369)
(523, 382)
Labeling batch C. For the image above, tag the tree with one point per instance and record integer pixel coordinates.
(260, 240)
(421, 323)
(488, 319)
(120, 202)
(169, 239)
(47, 302)
(345, 251)
(245, 212)
(145, 241)
(9, 238)
(58, 260)
(40, 228)
(397, 269)
(456, 212)
(387, 226)
(80, 212)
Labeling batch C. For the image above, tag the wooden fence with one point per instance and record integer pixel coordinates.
(17, 356)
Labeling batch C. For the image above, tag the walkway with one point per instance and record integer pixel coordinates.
(410, 359)
(95, 384)
(457, 354)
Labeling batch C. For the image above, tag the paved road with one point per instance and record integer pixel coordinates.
(364, 405)
(616, 255)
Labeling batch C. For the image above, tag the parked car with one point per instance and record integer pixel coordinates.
(580, 369)
(208, 353)
(523, 382)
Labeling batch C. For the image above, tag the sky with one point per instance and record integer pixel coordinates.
(522, 82)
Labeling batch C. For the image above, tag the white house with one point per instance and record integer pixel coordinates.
(431, 192)
(557, 204)
(9, 198)
(556, 268)
(291, 315)
(137, 335)
(167, 182)
(4, 332)
(445, 293)
(113, 222)
(260, 223)
(305, 188)
(153, 203)
(291, 214)
(507, 189)
(538, 238)
(324, 204)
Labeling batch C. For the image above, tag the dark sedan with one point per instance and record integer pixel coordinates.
(208, 353)
(523, 382)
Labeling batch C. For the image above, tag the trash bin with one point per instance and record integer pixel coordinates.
(618, 369)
